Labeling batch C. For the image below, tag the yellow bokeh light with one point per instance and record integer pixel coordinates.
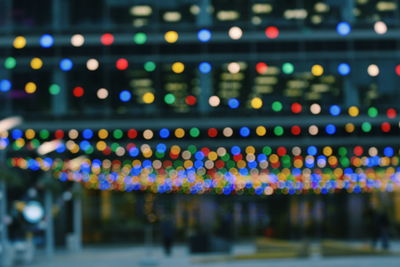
(179, 133)
(19, 42)
(256, 103)
(148, 98)
(212, 155)
(349, 127)
(30, 88)
(171, 36)
(30, 134)
(261, 131)
(103, 134)
(36, 63)
(317, 70)
(101, 145)
(178, 67)
(354, 111)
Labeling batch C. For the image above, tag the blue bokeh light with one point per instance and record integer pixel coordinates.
(233, 103)
(244, 131)
(334, 110)
(344, 69)
(330, 129)
(46, 41)
(5, 85)
(87, 133)
(66, 64)
(204, 67)
(125, 96)
(164, 133)
(343, 28)
(204, 35)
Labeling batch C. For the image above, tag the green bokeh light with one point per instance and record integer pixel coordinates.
(140, 38)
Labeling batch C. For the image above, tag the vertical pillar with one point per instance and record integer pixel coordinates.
(355, 215)
(4, 256)
(252, 217)
(77, 216)
(237, 218)
(350, 93)
(347, 10)
(49, 234)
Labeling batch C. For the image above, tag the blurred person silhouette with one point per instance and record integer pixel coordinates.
(379, 227)
(168, 234)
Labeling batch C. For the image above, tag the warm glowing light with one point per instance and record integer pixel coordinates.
(102, 93)
(315, 109)
(214, 101)
(373, 70)
(36, 63)
(171, 37)
(354, 111)
(92, 64)
(380, 27)
(77, 40)
(256, 103)
(317, 70)
(148, 98)
(30, 88)
(235, 33)
(19, 42)
(234, 67)
(178, 67)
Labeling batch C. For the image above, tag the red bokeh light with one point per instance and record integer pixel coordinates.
(358, 150)
(296, 130)
(391, 113)
(132, 133)
(296, 108)
(212, 132)
(398, 69)
(59, 134)
(107, 39)
(385, 127)
(191, 100)
(78, 91)
(261, 68)
(272, 32)
(122, 64)
(281, 151)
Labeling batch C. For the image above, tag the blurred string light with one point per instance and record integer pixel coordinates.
(261, 68)
(343, 28)
(102, 93)
(36, 63)
(148, 98)
(54, 89)
(150, 66)
(233, 103)
(140, 38)
(287, 68)
(77, 40)
(171, 37)
(46, 41)
(178, 67)
(5, 85)
(344, 69)
(380, 27)
(272, 32)
(78, 91)
(30, 88)
(66, 64)
(107, 39)
(125, 96)
(10, 63)
(169, 99)
(92, 64)
(373, 70)
(19, 42)
(204, 35)
(205, 67)
(235, 33)
(317, 70)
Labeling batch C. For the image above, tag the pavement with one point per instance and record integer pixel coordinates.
(140, 256)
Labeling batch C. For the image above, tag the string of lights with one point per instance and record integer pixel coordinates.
(169, 177)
